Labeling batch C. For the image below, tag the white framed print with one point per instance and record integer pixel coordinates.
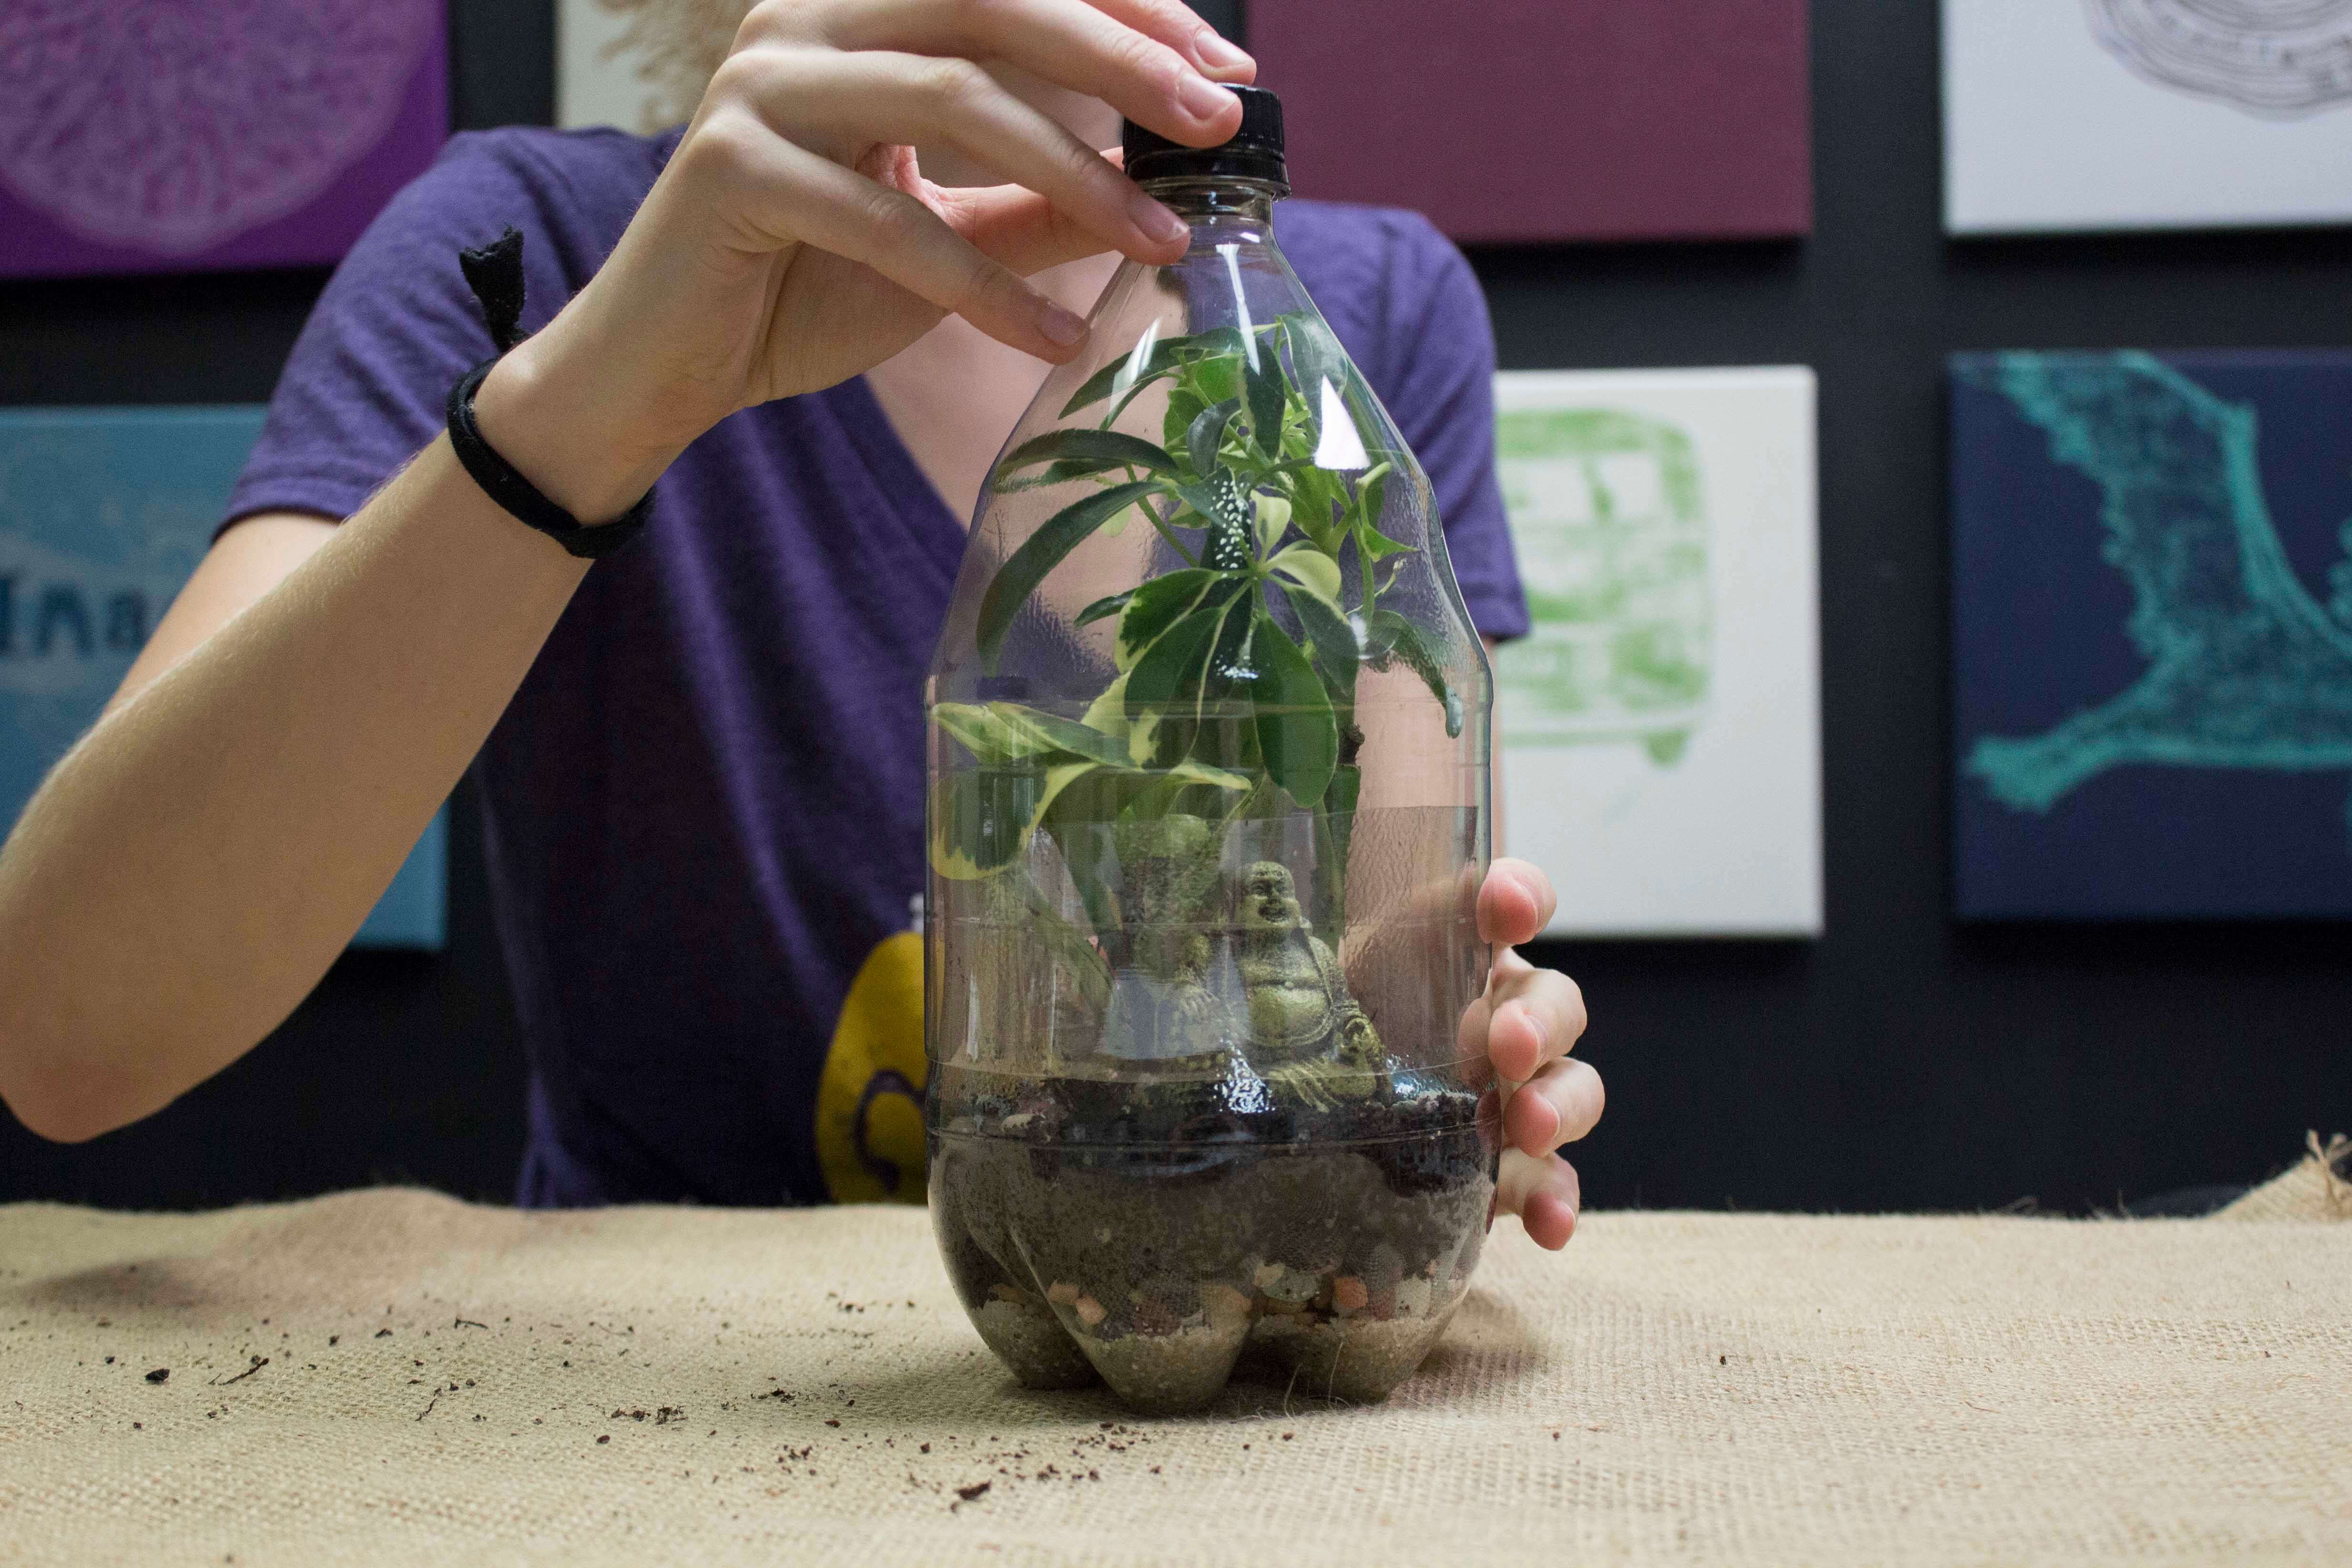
(2085, 115)
(640, 65)
(1658, 732)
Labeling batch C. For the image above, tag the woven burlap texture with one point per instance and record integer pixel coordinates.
(437, 1383)
(2315, 1188)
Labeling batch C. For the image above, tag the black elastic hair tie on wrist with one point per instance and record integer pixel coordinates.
(494, 272)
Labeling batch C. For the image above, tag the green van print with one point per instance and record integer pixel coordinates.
(1611, 523)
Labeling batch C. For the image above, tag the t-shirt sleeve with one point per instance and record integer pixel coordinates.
(366, 385)
(1446, 408)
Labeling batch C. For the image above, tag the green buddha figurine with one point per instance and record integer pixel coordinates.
(1306, 1031)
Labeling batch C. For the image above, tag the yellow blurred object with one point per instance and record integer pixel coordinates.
(869, 1103)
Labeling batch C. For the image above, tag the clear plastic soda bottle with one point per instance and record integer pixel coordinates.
(1209, 772)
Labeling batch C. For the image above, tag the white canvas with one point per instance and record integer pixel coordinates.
(598, 81)
(1658, 735)
(2123, 114)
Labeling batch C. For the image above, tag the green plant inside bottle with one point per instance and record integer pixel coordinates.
(1214, 695)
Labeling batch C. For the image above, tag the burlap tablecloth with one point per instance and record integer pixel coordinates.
(395, 1377)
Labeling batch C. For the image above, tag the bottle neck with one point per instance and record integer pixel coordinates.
(1220, 203)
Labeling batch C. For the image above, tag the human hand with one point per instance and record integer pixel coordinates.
(1526, 1023)
(791, 241)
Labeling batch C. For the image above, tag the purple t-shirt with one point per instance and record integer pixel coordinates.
(703, 812)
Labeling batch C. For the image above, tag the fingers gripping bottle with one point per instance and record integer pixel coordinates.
(1209, 781)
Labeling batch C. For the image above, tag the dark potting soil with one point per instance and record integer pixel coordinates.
(1138, 1212)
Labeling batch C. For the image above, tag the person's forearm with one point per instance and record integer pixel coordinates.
(190, 871)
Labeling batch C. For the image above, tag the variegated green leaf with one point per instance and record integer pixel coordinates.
(982, 731)
(1268, 391)
(1273, 521)
(1155, 606)
(1004, 732)
(983, 818)
(1394, 637)
(1309, 568)
(1041, 553)
(1080, 452)
(1297, 732)
(1176, 663)
(1049, 734)
(1162, 359)
(1330, 638)
(1105, 607)
(1206, 435)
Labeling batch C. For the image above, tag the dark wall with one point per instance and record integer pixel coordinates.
(1900, 1062)
(1903, 1062)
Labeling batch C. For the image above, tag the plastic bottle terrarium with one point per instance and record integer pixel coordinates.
(1209, 809)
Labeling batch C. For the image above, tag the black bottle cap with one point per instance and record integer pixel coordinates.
(1254, 152)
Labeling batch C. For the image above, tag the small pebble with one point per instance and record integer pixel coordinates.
(1223, 1303)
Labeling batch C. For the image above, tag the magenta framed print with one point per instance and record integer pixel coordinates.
(192, 135)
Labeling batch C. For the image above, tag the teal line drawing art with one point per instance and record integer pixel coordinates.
(1608, 512)
(2245, 668)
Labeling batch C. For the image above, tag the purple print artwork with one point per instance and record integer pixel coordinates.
(1531, 120)
(184, 135)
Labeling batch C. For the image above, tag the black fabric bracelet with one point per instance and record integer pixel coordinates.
(494, 272)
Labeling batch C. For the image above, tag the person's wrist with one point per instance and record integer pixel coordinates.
(552, 424)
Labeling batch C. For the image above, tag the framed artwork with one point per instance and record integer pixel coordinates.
(2152, 634)
(639, 65)
(1658, 734)
(103, 513)
(2132, 114)
(184, 135)
(1532, 121)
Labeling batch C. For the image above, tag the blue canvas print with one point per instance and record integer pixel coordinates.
(2152, 634)
(103, 513)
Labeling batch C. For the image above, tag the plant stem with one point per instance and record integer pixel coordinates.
(1167, 533)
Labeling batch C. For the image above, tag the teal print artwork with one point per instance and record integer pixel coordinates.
(1611, 526)
(2176, 779)
(103, 513)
